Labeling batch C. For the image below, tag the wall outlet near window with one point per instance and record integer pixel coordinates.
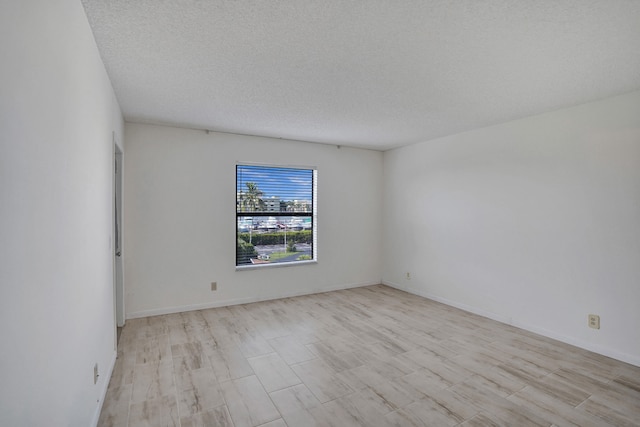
(594, 321)
(214, 286)
(408, 276)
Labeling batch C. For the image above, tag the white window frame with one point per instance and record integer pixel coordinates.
(314, 217)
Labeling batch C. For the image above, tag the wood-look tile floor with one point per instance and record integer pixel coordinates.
(371, 356)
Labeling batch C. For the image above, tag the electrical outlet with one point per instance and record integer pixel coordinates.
(95, 374)
(408, 276)
(594, 321)
(214, 286)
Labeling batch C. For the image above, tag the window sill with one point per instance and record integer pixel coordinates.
(274, 265)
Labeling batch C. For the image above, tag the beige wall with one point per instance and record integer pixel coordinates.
(180, 219)
(534, 222)
(57, 115)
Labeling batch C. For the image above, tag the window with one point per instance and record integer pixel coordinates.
(275, 215)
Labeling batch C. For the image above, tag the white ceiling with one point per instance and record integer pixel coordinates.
(370, 73)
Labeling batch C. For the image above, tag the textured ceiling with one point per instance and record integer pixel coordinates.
(371, 73)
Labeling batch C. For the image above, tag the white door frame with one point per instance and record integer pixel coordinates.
(118, 262)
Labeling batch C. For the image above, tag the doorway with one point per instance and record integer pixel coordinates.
(118, 268)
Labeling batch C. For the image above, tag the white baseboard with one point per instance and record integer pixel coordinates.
(624, 357)
(237, 301)
(103, 391)
(605, 351)
(464, 307)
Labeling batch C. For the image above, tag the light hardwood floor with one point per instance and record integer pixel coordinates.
(371, 356)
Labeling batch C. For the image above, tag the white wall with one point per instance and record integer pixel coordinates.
(535, 222)
(57, 114)
(179, 224)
